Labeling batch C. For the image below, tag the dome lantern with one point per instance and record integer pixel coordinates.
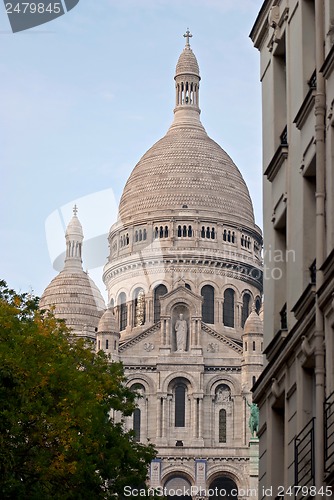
(74, 238)
(187, 79)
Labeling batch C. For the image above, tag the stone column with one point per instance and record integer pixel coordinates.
(200, 418)
(159, 417)
(164, 416)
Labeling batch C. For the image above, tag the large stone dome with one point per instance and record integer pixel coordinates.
(187, 168)
(76, 299)
(72, 294)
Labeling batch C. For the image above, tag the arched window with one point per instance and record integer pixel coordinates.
(208, 232)
(254, 345)
(161, 232)
(179, 231)
(213, 234)
(188, 286)
(180, 405)
(140, 235)
(226, 485)
(107, 344)
(245, 308)
(229, 236)
(233, 237)
(228, 308)
(136, 236)
(127, 238)
(208, 295)
(159, 291)
(203, 232)
(123, 311)
(156, 233)
(257, 304)
(253, 380)
(166, 231)
(222, 426)
(144, 234)
(136, 423)
(190, 231)
(184, 232)
(225, 235)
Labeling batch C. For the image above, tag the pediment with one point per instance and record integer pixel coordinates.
(180, 295)
(141, 337)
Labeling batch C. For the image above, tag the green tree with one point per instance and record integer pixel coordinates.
(58, 435)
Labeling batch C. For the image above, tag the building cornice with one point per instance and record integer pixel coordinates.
(328, 65)
(261, 24)
(276, 162)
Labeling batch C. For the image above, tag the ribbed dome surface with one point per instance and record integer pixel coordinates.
(76, 299)
(187, 63)
(253, 324)
(186, 167)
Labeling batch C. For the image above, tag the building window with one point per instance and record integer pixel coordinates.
(187, 286)
(245, 308)
(203, 232)
(161, 232)
(140, 235)
(159, 291)
(107, 344)
(179, 231)
(228, 308)
(166, 232)
(254, 346)
(222, 426)
(257, 304)
(253, 380)
(245, 346)
(123, 312)
(156, 233)
(99, 345)
(115, 345)
(144, 234)
(180, 405)
(208, 294)
(136, 423)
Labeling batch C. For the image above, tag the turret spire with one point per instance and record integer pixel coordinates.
(74, 239)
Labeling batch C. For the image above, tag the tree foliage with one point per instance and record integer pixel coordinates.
(61, 411)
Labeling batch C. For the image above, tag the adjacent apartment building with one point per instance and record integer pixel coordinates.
(295, 392)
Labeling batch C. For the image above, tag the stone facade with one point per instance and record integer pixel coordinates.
(183, 275)
(295, 391)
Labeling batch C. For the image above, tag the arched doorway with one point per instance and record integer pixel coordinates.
(178, 487)
(223, 487)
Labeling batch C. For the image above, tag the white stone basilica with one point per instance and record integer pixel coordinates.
(184, 280)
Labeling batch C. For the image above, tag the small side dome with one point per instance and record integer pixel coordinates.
(253, 324)
(107, 322)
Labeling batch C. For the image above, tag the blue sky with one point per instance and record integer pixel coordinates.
(84, 96)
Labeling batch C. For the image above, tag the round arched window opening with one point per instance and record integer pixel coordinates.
(178, 487)
(223, 487)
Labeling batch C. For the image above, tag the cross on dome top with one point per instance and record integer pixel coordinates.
(75, 210)
(187, 35)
